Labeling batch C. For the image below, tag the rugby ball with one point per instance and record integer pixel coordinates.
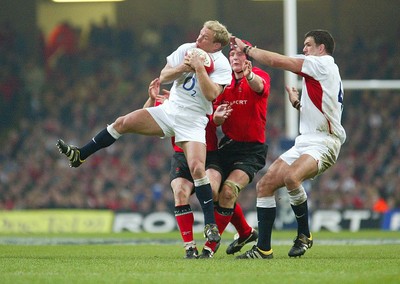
(208, 62)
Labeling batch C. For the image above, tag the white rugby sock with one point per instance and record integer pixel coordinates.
(114, 133)
(266, 202)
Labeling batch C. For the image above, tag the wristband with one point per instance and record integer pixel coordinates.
(251, 77)
(246, 49)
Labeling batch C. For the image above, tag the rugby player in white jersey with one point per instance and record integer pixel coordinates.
(183, 116)
(316, 148)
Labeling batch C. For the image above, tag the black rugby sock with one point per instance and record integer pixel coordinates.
(204, 195)
(301, 214)
(101, 140)
(266, 219)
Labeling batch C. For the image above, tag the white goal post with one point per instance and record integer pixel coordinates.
(371, 85)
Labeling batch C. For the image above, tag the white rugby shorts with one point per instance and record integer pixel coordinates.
(324, 148)
(181, 123)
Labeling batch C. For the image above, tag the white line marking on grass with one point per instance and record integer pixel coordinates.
(116, 241)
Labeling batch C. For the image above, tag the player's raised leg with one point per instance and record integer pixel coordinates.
(139, 122)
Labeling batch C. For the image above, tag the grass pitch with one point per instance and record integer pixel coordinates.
(362, 257)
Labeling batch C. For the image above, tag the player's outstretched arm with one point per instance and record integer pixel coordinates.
(270, 58)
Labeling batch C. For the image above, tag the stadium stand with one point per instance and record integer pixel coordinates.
(77, 94)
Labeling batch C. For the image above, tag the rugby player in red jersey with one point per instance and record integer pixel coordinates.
(242, 148)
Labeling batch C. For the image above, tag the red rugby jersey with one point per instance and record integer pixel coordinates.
(248, 119)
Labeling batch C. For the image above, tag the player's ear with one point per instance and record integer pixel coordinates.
(217, 46)
(321, 48)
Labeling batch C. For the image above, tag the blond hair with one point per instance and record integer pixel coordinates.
(221, 34)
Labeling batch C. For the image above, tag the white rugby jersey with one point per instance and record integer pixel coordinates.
(322, 97)
(185, 93)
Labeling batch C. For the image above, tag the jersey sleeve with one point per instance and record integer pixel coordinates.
(314, 67)
(222, 69)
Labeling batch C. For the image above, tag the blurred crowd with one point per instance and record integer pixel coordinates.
(72, 84)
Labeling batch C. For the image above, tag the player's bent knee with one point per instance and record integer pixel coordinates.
(233, 187)
(264, 188)
(119, 125)
(181, 195)
(290, 181)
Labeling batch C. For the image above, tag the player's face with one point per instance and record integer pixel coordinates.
(205, 40)
(237, 59)
(310, 47)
